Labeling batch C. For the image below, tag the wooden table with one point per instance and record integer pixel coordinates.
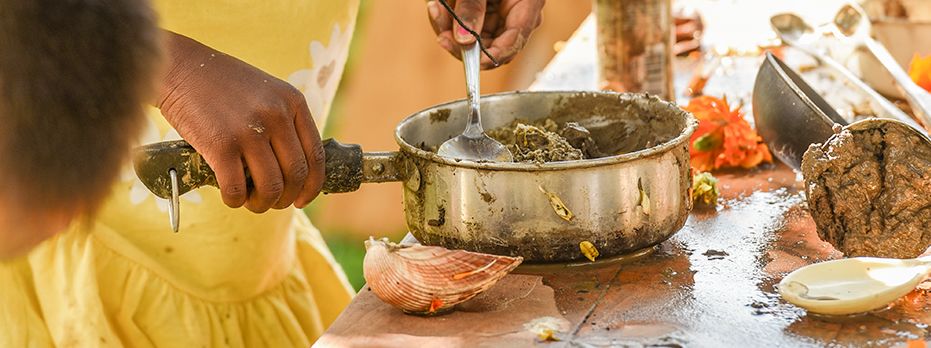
(710, 285)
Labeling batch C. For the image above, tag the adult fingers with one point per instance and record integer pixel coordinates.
(448, 43)
(442, 24)
(472, 13)
(519, 22)
(504, 48)
(439, 18)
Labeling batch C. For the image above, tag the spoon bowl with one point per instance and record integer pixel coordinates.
(791, 28)
(481, 148)
(473, 144)
(853, 285)
(851, 21)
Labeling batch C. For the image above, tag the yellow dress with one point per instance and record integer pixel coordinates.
(229, 277)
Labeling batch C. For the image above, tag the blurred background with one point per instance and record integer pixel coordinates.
(395, 68)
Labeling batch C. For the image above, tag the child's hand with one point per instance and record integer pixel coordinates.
(239, 117)
(504, 25)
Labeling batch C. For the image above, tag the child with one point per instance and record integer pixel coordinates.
(230, 277)
(74, 76)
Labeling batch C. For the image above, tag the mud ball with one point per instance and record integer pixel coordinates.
(869, 189)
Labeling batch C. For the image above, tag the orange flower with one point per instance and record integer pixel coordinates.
(723, 138)
(920, 71)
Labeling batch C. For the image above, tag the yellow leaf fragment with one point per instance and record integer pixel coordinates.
(558, 206)
(644, 199)
(547, 328)
(704, 189)
(547, 335)
(588, 249)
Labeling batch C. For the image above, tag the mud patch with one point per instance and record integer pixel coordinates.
(441, 217)
(869, 190)
(440, 115)
(543, 141)
(712, 254)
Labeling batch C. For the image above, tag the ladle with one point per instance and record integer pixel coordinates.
(853, 285)
(473, 144)
(852, 22)
(794, 31)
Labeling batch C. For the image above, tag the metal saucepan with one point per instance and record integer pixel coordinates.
(542, 212)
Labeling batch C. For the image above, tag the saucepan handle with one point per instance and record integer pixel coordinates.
(347, 167)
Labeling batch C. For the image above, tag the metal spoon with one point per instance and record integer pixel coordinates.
(473, 144)
(851, 21)
(853, 285)
(794, 31)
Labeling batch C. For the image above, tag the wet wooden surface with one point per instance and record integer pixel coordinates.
(710, 285)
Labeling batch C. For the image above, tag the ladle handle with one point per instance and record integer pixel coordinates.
(347, 167)
(471, 56)
(886, 107)
(917, 97)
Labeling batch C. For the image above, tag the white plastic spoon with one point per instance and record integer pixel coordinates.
(854, 285)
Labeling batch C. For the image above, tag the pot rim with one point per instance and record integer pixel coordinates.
(690, 125)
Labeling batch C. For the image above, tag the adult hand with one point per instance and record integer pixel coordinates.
(504, 25)
(240, 117)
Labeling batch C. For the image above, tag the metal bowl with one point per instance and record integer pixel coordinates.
(512, 208)
(789, 114)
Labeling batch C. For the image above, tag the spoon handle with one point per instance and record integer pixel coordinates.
(926, 262)
(470, 59)
(917, 97)
(886, 108)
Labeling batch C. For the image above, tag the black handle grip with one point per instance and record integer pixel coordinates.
(343, 167)
(153, 161)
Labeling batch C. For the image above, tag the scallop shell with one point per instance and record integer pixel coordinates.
(427, 279)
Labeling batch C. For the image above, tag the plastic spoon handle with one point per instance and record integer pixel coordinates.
(925, 260)
(470, 59)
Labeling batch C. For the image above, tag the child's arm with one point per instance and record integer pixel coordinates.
(238, 116)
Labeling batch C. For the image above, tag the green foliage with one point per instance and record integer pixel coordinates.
(349, 252)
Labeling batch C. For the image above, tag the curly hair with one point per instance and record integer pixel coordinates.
(74, 78)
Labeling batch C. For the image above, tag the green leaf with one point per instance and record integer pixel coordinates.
(707, 142)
